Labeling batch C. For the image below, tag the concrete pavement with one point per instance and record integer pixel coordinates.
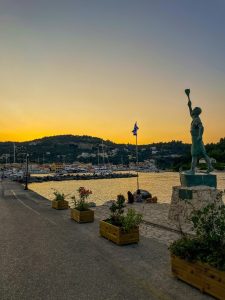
(46, 255)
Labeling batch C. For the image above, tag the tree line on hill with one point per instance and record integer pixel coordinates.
(69, 148)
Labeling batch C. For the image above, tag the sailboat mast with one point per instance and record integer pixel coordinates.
(103, 154)
(14, 153)
(98, 156)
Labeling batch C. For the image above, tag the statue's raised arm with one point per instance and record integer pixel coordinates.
(187, 92)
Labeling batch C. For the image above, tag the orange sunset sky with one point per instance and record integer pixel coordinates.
(96, 67)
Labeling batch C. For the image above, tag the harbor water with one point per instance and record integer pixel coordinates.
(158, 184)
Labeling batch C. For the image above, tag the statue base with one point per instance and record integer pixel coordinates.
(199, 179)
(186, 198)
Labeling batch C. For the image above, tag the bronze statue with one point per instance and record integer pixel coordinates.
(197, 149)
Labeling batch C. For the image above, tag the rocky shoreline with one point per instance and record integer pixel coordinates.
(37, 179)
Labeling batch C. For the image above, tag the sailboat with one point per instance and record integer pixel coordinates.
(102, 169)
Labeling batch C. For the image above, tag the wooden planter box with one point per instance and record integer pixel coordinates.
(201, 276)
(82, 216)
(117, 235)
(60, 204)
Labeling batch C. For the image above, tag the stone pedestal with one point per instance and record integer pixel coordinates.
(189, 197)
(199, 179)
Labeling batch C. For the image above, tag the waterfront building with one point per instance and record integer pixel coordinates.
(57, 167)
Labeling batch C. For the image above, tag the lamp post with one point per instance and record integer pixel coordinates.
(26, 177)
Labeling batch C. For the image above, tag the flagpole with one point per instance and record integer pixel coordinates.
(137, 161)
(135, 133)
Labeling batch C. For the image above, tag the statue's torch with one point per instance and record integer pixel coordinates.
(187, 92)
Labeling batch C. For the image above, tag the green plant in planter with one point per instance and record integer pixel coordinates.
(209, 224)
(131, 220)
(117, 217)
(81, 204)
(117, 210)
(209, 243)
(59, 196)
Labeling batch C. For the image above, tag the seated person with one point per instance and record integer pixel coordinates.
(130, 197)
(138, 196)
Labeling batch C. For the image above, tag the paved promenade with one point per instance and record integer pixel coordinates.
(46, 255)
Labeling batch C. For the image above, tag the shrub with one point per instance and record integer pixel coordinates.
(117, 209)
(59, 196)
(117, 217)
(131, 220)
(209, 224)
(209, 243)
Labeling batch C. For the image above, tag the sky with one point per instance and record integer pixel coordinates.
(95, 67)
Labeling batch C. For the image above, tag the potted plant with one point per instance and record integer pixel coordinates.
(200, 260)
(119, 228)
(81, 212)
(59, 201)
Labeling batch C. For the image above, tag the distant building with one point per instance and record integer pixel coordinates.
(57, 167)
(175, 155)
(202, 161)
(86, 155)
(114, 152)
(154, 151)
(85, 146)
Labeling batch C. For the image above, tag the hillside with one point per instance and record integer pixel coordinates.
(70, 148)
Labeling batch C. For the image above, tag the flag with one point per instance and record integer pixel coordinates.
(135, 129)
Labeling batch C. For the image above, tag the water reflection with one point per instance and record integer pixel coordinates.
(159, 184)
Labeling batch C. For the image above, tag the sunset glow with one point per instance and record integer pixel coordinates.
(95, 67)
